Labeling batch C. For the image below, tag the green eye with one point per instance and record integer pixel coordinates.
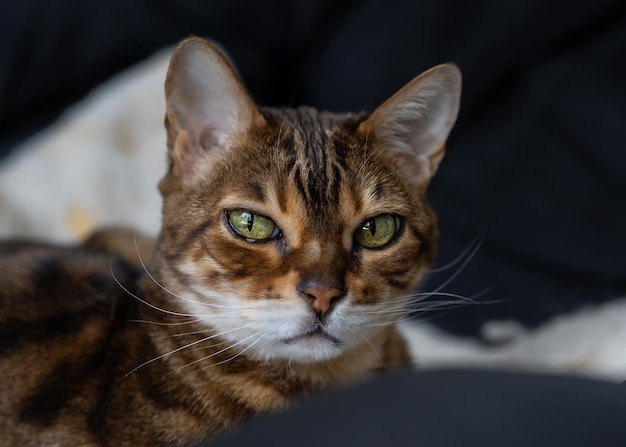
(377, 231)
(252, 226)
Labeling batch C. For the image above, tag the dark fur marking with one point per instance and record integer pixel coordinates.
(282, 197)
(335, 186)
(156, 387)
(291, 387)
(299, 183)
(182, 277)
(15, 333)
(196, 233)
(163, 393)
(49, 272)
(395, 283)
(167, 393)
(255, 190)
(291, 163)
(103, 282)
(44, 405)
(379, 190)
(315, 195)
(239, 273)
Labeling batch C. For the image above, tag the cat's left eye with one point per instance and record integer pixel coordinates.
(377, 231)
(252, 227)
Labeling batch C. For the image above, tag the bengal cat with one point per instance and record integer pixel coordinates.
(291, 240)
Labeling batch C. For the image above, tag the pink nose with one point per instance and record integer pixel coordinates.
(321, 297)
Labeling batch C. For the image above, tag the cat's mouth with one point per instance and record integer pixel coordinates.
(316, 333)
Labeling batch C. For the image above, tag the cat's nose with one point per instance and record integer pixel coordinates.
(321, 297)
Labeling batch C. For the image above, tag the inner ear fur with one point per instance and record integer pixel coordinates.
(413, 125)
(208, 108)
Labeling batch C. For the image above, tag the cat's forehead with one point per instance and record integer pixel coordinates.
(305, 120)
(315, 164)
(316, 152)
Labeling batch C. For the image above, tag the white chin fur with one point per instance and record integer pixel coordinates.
(278, 330)
(306, 349)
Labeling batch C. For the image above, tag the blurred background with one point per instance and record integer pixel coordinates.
(536, 165)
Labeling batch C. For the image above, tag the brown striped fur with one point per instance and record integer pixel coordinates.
(206, 329)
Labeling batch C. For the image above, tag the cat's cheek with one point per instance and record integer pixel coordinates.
(392, 272)
(373, 284)
(366, 290)
(252, 273)
(203, 276)
(352, 321)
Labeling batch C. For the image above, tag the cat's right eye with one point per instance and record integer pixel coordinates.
(252, 227)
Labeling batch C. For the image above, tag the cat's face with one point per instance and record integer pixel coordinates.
(296, 234)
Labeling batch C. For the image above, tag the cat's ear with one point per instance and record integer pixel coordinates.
(208, 108)
(413, 124)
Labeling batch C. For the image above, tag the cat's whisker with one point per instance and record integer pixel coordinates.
(211, 346)
(408, 302)
(365, 148)
(202, 317)
(169, 312)
(236, 355)
(420, 307)
(180, 349)
(385, 310)
(218, 352)
(464, 264)
(377, 325)
(368, 156)
(290, 361)
(267, 341)
(472, 247)
(471, 299)
(143, 265)
(280, 129)
(373, 151)
(436, 306)
(207, 330)
(402, 301)
(159, 323)
(375, 351)
(417, 302)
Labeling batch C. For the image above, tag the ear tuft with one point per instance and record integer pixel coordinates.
(207, 105)
(413, 124)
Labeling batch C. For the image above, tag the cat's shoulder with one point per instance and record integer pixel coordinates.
(48, 282)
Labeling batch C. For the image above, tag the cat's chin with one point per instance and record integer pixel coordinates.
(309, 347)
(314, 335)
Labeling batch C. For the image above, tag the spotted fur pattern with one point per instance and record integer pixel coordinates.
(207, 328)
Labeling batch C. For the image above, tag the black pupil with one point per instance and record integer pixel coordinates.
(250, 221)
(373, 227)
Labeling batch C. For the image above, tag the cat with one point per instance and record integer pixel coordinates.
(291, 240)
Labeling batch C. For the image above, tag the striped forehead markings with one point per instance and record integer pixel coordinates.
(317, 173)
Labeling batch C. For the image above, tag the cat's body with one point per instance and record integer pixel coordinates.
(69, 344)
(291, 241)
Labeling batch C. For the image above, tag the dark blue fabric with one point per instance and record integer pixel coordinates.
(451, 409)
